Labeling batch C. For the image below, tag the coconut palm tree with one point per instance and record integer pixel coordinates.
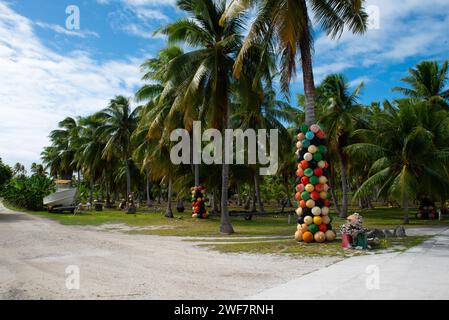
(118, 123)
(339, 113)
(89, 154)
(289, 24)
(51, 159)
(208, 67)
(257, 107)
(405, 146)
(427, 81)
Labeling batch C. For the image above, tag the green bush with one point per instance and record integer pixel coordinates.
(28, 192)
(5, 174)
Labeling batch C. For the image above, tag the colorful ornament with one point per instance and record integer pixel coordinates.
(320, 237)
(307, 237)
(313, 228)
(316, 211)
(308, 157)
(308, 172)
(308, 220)
(312, 148)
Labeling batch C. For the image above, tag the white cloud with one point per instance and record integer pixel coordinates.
(58, 29)
(355, 82)
(139, 17)
(408, 28)
(40, 87)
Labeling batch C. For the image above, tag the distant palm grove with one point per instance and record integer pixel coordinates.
(234, 76)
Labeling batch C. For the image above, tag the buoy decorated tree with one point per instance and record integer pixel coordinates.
(198, 202)
(312, 189)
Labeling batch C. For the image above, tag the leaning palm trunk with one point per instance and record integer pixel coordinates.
(344, 185)
(168, 211)
(257, 189)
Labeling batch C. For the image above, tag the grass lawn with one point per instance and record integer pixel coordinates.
(184, 225)
(294, 249)
(277, 233)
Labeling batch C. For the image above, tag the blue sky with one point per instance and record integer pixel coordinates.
(48, 72)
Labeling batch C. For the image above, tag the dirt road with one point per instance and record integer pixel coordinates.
(35, 253)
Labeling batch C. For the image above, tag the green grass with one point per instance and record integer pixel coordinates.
(262, 226)
(294, 249)
(184, 225)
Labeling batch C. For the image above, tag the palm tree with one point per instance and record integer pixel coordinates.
(339, 113)
(159, 93)
(257, 107)
(208, 69)
(289, 24)
(118, 123)
(37, 169)
(19, 169)
(89, 154)
(408, 147)
(427, 81)
(52, 161)
(66, 141)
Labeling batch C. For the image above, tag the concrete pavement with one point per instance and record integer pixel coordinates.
(418, 273)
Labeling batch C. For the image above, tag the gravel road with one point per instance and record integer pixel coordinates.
(35, 253)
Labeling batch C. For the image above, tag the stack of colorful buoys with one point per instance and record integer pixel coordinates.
(198, 202)
(312, 189)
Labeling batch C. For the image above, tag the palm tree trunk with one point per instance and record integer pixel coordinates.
(128, 179)
(253, 201)
(91, 191)
(405, 208)
(307, 68)
(239, 197)
(288, 201)
(149, 203)
(257, 189)
(225, 221)
(168, 211)
(197, 174)
(344, 185)
(79, 178)
(108, 195)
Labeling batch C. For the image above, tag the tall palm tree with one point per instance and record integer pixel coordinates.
(89, 154)
(257, 107)
(118, 123)
(427, 81)
(408, 147)
(288, 22)
(339, 112)
(208, 68)
(52, 160)
(65, 140)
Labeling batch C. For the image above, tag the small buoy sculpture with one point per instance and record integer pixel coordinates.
(198, 202)
(312, 189)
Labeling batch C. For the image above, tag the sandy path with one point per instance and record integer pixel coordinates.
(35, 252)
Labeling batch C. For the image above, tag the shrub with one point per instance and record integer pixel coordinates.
(5, 174)
(28, 192)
